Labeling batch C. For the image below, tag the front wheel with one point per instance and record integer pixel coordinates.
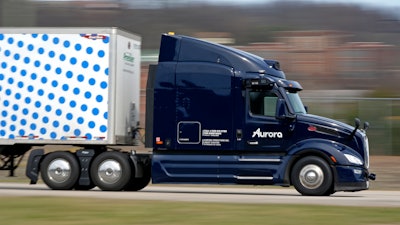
(312, 176)
(111, 171)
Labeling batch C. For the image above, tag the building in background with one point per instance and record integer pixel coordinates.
(324, 60)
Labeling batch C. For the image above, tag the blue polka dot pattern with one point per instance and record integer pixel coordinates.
(42, 86)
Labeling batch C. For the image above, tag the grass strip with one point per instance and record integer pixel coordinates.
(54, 210)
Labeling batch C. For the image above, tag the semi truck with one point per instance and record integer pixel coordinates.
(214, 115)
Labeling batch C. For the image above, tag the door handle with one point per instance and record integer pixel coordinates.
(239, 134)
(291, 127)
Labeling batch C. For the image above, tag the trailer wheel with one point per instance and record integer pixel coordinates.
(60, 170)
(111, 171)
(312, 176)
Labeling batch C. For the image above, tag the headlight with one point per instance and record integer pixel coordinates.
(353, 159)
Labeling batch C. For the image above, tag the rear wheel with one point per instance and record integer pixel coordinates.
(137, 184)
(60, 170)
(312, 176)
(111, 171)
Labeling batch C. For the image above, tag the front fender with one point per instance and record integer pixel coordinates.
(324, 148)
(331, 151)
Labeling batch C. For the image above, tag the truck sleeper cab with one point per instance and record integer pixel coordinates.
(224, 116)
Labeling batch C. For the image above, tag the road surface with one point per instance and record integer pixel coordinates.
(240, 195)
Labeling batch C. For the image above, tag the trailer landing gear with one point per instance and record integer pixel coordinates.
(11, 157)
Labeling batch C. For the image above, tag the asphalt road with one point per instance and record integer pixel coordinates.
(252, 195)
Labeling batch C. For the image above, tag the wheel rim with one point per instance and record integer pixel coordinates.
(311, 176)
(109, 171)
(59, 170)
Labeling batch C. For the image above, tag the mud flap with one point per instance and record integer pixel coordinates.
(32, 168)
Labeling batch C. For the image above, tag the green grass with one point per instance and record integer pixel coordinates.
(52, 210)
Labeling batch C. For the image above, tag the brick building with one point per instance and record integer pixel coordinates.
(324, 60)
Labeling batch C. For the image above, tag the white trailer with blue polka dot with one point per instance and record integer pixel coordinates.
(68, 86)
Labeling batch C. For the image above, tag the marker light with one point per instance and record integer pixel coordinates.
(312, 128)
(159, 141)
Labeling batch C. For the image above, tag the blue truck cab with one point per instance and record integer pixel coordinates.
(218, 115)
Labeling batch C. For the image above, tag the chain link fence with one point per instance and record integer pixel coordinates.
(383, 114)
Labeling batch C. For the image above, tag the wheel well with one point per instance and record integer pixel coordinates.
(303, 154)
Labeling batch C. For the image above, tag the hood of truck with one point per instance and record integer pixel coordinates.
(325, 125)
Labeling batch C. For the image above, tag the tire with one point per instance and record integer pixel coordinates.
(60, 170)
(111, 171)
(137, 184)
(312, 176)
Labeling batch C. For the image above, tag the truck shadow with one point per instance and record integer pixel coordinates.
(249, 193)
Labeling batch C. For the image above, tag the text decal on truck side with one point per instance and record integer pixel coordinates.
(214, 137)
(266, 134)
(41, 90)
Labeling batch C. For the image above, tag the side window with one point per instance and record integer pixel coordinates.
(263, 103)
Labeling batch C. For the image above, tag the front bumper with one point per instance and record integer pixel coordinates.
(351, 178)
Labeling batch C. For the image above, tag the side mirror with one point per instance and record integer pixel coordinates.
(357, 123)
(306, 108)
(366, 126)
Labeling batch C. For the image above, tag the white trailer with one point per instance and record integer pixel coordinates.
(73, 86)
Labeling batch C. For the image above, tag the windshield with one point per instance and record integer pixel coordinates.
(296, 103)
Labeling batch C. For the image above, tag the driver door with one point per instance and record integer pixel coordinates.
(263, 131)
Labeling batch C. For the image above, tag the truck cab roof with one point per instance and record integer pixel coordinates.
(181, 48)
